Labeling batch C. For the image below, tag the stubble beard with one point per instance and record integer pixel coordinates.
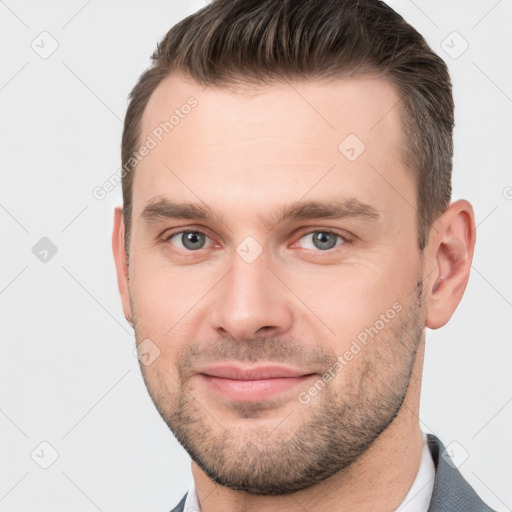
(329, 433)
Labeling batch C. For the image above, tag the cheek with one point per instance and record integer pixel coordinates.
(351, 298)
(166, 303)
(163, 294)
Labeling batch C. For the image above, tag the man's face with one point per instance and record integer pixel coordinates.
(334, 299)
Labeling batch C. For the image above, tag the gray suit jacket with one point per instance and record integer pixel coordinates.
(451, 491)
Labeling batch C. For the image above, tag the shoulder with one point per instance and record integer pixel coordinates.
(451, 490)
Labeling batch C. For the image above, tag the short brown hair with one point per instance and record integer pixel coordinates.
(236, 43)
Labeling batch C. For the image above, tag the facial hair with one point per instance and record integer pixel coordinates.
(330, 433)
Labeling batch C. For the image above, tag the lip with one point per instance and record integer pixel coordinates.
(256, 373)
(252, 384)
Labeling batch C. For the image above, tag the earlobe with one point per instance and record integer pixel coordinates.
(121, 262)
(452, 247)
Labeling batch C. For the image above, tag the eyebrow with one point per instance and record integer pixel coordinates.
(161, 209)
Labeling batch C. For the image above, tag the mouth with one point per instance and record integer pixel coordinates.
(253, 384)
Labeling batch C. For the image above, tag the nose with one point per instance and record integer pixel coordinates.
(251, 302)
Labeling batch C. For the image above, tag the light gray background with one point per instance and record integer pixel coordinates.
(68, 374)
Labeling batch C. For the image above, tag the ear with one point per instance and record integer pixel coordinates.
(121, 262)
(450, 250)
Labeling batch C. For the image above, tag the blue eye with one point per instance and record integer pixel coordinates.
(192, 240)
(323, 240)
(189, 240)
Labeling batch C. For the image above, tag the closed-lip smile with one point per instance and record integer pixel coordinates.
(252, 383)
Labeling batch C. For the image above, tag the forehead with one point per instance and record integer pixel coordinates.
(359, 105)
(269, 142)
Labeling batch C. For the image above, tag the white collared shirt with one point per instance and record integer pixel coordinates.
(417, 499)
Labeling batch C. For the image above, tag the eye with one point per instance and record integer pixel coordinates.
(188, 240)
(323, 240)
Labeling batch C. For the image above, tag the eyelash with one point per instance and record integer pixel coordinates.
(344, 237)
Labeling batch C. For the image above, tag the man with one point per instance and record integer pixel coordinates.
(286, 236)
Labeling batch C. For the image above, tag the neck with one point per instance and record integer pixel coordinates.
(379, 480)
